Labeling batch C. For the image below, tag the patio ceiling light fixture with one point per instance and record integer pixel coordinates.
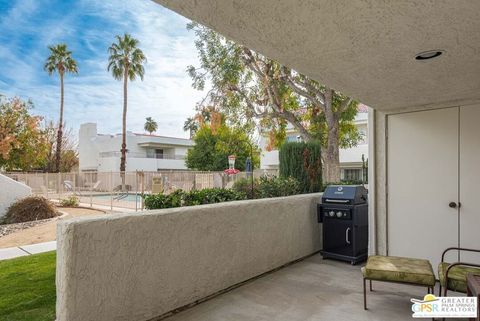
(430, 54)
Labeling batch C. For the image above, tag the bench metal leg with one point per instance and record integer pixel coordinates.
(365, 294)
(430, 290)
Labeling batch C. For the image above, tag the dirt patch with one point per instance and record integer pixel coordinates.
(43, 231)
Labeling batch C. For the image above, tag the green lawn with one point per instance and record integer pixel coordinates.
(27, 288)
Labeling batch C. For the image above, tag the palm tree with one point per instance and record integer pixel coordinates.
(150, 125)
(126, 63)
(60, 61)
(191, 125)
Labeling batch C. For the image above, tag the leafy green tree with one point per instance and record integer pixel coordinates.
(22, 142)
(125, 62)
(61, 62)
(250, 88)
(150, 125)
(212, 149)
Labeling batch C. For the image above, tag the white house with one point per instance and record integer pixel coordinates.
(101, 153)
(350, 158)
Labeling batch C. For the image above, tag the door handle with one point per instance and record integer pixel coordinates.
(347, 239)
(454, 205)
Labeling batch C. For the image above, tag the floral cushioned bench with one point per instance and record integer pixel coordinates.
(398, 270)
(456, 273)
(456, 276)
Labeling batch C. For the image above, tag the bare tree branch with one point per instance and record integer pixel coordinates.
(301, 91)
(251, 106)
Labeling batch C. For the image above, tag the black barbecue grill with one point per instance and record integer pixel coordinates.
(344, 213)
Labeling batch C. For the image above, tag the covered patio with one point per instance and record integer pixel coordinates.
(417, 64)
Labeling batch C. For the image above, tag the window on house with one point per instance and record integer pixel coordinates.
(292, 138)
(150, 153)
(363, 133)
(159, 153)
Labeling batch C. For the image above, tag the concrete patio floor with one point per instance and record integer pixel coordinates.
(311, 290)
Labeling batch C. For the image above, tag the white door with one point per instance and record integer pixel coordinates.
(470, 181)
(422, 177)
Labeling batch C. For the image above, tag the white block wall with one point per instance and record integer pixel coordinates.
(11, 191)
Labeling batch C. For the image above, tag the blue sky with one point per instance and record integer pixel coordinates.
(88, 28)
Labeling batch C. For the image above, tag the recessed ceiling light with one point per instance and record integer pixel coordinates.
(429, 54)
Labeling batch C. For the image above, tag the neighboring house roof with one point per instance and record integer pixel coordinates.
(148, 140)
(148, 135)
(155, 140)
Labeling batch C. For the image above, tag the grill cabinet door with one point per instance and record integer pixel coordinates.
(337, 236)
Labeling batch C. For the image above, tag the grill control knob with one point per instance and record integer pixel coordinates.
(332, 213)
(339, 214)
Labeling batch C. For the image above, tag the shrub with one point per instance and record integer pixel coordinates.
(268, 186)
(156, 201)
(212, 195)
(71, 201)
(278, 186)
(28, 209)
(244, 185)
(302, 161)
(194, 197)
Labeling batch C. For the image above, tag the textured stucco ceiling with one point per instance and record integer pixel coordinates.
(365, 48)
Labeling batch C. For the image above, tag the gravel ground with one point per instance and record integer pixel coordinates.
(10, 228)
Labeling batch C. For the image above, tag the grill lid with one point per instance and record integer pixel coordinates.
(345, 194)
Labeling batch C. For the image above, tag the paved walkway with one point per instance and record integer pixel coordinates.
(24, 250)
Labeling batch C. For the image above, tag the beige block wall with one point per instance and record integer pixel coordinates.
(139, 266)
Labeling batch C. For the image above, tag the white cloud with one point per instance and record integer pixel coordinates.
(93, 95)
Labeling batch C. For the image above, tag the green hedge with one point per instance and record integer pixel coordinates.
(302, 161)
(194, 197)
(264, 187)
(268, 186)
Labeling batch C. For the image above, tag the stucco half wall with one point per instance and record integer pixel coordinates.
(140, 266)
